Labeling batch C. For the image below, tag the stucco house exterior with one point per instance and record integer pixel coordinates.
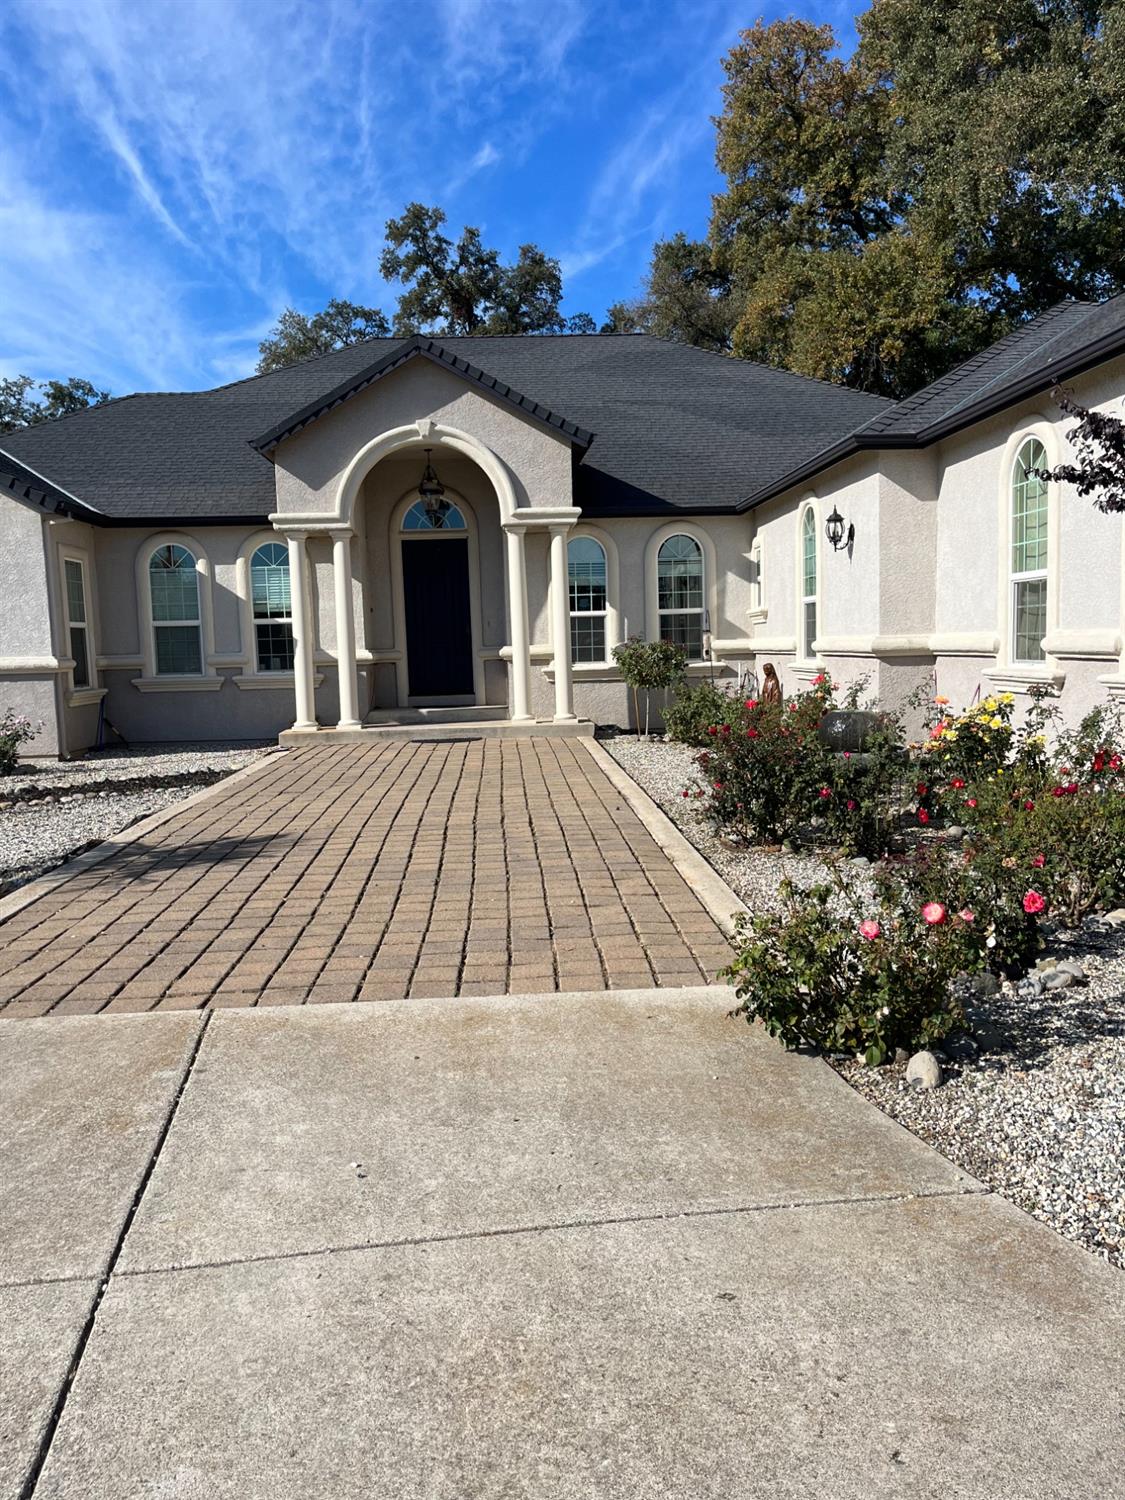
(259, 558)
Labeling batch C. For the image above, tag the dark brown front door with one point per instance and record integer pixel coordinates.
(439, 637)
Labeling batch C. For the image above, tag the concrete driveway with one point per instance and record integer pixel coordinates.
(605, 1245)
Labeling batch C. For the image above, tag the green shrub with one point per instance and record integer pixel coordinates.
(697, 708)
(15, 730)
(850, 974)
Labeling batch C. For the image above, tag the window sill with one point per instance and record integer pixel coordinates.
(1023, 679)
(177, 684)
(81, 697)
(253, 681)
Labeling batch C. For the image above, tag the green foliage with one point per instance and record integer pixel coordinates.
(699, 709)
(849, 974)
(297, 336)
(15, 730)
(20, 407)
(887, 214)
(464, 288)
(648, 667)
(1098, 440)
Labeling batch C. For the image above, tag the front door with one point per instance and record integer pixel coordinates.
(439, 636)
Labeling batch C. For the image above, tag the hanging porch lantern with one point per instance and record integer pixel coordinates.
(432, 492)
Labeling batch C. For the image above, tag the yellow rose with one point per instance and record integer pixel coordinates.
(996, 722)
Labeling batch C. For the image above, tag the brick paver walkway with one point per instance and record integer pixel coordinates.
(355, 873)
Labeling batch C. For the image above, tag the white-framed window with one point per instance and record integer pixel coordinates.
(680, 593)
(176, 625)
(1029, 554)
(587, 574)
(447, 517)
(808, 583)
(757, 594)
(272, 609)
(77, 621)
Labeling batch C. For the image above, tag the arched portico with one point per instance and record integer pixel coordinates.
(339, 523)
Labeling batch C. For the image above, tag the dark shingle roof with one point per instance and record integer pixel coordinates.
(676, 427)
(1055, 346)
(417, 348)
(30, 488)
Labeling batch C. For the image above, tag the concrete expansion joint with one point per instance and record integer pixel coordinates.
(609, 1221)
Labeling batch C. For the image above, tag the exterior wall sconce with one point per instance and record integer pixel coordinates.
(834, 530)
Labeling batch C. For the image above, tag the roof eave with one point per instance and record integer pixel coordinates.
(860, 441)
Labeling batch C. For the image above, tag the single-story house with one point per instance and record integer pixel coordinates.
(472, 524)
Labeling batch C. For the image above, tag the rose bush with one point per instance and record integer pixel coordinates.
(15, 730)
(850, 973)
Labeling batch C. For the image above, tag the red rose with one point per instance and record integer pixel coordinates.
(1039, 860)
(711, 729)
(1028, 805)
(1034, 903)
(970, 802)
(825, 792)
(851, 805)
(751, 734)
(923, 815)
(958, 783)
(1099, 761)
(921, 789)
(1056, 791)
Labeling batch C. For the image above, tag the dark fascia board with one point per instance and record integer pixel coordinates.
(1043, 379)
(414, 348)
(41, 494)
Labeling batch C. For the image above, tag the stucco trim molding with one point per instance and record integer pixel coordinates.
(178, 684)
(967, 643)
(1013, 680)
(81, 697)
(1115, 686)
(783, 645)
(24, 666)
(251, 681)
(1084, 644)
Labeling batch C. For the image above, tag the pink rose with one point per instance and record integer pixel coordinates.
(966, 915)
(870, 929)
(751, 703)
(1039, 860)
(825, 792)
(933, 913)
(1034, 903)
(851, 805)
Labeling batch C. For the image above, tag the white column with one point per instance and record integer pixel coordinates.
(345, 629)
(517, 615)
(560, 625)
(302, 631)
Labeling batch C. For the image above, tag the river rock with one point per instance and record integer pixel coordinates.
(923, 1071)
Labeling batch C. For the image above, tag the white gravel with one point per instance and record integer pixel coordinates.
(1035, 1106)
(37, 835)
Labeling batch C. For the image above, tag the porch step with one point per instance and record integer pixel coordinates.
(488, 729)
(473, 713)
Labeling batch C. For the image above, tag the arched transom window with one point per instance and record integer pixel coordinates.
(174, 593)
(273, 611)
(586, 569)
(447, 517)
(679, 583)
(1029, 553)
(808, 583)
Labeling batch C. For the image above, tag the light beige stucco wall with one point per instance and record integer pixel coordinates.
(310, 465)
(28, 681)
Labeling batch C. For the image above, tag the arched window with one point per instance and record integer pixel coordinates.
(272, 608)
(1029, 553)
(446, 518)
(808, 583)
(174, 592)
(586, 569)
(679, 586)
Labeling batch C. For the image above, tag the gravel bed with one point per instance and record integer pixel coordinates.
(1034, 1104)
(665, 770)
(35, 836)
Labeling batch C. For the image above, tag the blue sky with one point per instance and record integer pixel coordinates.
(173, 174)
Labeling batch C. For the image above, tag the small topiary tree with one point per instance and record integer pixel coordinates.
(649, 667)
